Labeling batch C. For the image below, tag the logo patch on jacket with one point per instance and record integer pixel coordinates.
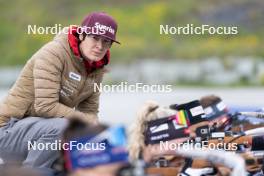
(75, 76)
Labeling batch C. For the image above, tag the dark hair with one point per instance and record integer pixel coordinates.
(75, 129)
(209, 100)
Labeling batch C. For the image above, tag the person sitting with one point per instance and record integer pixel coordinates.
(56, 83)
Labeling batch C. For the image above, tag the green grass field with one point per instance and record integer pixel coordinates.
(139, 23)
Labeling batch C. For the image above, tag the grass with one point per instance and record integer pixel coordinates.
(138, 31)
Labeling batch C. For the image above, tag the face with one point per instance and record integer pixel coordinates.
(94, 47)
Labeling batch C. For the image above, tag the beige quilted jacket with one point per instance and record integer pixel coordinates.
(53, 83)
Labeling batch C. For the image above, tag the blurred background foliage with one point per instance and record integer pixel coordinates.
(139, 23)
